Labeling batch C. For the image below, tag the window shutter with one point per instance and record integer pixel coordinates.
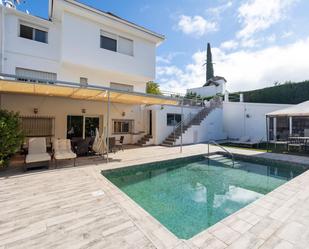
(36, 74)
(125, 46)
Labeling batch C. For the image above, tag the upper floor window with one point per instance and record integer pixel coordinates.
(116, 43)
(109, 41)
(33, 33)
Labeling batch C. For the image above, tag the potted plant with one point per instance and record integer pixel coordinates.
(11, 136)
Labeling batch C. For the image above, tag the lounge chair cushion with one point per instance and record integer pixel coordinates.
(37, 145)
(33, 158)
(59, 155)
(62, 149)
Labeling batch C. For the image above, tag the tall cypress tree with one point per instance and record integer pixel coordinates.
(209, 68)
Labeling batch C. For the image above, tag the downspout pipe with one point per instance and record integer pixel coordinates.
(2, 37)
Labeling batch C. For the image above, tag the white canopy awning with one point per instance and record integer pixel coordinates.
(301, 109)
(77, 91)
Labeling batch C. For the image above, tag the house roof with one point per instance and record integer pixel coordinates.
(301, 109)
(11, 84)
(214, 81)
(109, 15)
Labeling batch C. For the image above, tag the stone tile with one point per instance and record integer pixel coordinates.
(265, 228)
(258, 210)
(248, 217)
(282, 213)
(224, 233)
(237, 224)
(291, 231)
(206, 240)
(277, 243)
(246, 241)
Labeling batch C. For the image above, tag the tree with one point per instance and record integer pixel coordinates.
(209, 64)
(11, 135)
(153, 88)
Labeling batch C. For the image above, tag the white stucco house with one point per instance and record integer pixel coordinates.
(82, 69)
(82, 45)
(214, 86)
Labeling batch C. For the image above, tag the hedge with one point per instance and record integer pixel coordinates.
(287, 93)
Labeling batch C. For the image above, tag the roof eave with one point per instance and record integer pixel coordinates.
(159, 38)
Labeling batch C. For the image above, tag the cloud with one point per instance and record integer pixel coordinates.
(196, 25)
(244, 70)
(231, 44)
(217, 11)
(287, 34)
(259, 15)
(167, 59)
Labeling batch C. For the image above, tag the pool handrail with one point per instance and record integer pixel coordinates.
(228, 152)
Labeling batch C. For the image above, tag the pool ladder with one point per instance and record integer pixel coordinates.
(228, 152)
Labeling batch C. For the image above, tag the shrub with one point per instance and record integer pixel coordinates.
(287, 93)
(11, 135)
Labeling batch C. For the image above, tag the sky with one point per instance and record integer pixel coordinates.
(255, 43)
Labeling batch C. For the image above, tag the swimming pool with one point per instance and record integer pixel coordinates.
(189, 195)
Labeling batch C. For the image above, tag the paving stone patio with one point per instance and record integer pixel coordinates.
(78, 208)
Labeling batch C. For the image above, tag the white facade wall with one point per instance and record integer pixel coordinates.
(60, 108)
(73, 48)
(247, 119)
(87, 52)
(24, 53)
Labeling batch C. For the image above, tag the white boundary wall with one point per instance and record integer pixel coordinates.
(247, 119)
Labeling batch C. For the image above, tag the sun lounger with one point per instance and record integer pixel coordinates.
(37, 155)
(62, 150)
(247, 141)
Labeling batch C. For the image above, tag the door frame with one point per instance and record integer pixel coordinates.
(150, 122)
(84, 121)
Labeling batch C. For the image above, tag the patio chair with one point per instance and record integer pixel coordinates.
(247, 141)
(82, 147)
(295, 143)
(241, 140)
(112, 144)
(37, 155)
(62, 150)
(119, 143)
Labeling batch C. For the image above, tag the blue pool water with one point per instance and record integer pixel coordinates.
(189, 195)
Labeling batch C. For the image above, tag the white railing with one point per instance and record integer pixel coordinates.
(216, 144)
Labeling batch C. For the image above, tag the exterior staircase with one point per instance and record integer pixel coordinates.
(186, 124)
(144, 140)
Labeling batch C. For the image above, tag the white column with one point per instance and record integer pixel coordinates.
(275, 128)
(291, 125)
(241, 97)
(107, 125)
(226, 97)
(181, 128)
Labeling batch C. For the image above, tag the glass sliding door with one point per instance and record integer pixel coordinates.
(91, 124)
(75, 126)
(81, 127)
